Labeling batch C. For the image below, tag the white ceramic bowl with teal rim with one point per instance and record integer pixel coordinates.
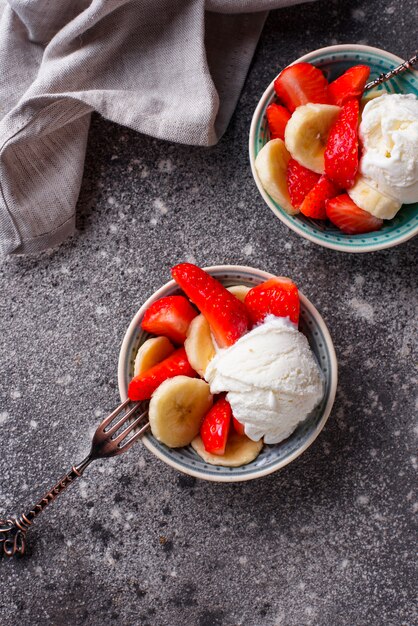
(272, 457)
(333, 61)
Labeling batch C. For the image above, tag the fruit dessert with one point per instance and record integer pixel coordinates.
(334, 156)
(227, 369)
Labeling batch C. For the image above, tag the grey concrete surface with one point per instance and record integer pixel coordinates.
(329, 540)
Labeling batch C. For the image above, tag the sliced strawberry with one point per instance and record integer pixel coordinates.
(314, 203)
(345, 214)
(349, 85)
(277, 296)
(341, 151)
(277, 118)
(215, 427)
(143, 386)
(227, 316)
(301, 83)
(169, 316)
(300, 181)
(238, 427)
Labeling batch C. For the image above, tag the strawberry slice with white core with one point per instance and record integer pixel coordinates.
(301, 83)
(349, 218)
(227, 316)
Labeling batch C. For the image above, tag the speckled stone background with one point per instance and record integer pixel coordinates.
(329, 540)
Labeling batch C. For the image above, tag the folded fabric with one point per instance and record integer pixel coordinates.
(167, 68)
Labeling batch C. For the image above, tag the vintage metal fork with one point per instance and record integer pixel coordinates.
(406, 65)
(107, 441)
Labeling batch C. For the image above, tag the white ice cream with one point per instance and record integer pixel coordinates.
(272, 379)
(389, 134)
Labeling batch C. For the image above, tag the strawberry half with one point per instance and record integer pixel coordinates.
(277, 118)
(314, 203)
(277, 296)
(341, 151)
(349, 218)
(300, 181)
(227, 316)
(143, 386)
(215, 427)
(349, 85)
(170, 316)
(301, 83)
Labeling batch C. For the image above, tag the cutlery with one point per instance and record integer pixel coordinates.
(110, 439)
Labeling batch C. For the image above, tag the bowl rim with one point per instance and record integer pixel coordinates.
(230, 478)
(372, 247)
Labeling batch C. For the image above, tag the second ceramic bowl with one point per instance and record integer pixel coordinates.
(272, 457)
(333, 61)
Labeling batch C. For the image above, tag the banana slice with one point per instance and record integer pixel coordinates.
(271, 165)
(366, 195)
(307, 132)
(199, 345)
(152, 352)
(239, 451)
(239, 291)
(177, 408)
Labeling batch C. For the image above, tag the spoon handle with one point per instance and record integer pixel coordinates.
(396, 70)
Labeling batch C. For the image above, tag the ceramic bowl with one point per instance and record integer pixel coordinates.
(272, 457)
(333, 61)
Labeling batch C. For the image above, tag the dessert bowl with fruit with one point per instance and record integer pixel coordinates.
(338, 165)
(237, 370)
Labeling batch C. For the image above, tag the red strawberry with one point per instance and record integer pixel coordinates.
(277, 118)
(341, 151)
(215, 427)
(349, 85)
(227, 316)
(143, 386)
(314, 203)
(276, 296)
(301, 83)
(300, 181)
(169, 316)
(345, 214)
(238, 427)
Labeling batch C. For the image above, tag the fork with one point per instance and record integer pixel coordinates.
(106, 442)
(382, 78)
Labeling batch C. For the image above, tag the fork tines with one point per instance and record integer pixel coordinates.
(108, 441)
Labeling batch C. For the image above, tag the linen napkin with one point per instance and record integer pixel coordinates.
(168, 68)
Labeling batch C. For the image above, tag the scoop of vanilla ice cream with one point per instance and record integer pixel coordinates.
(271, 378)
(389, 135)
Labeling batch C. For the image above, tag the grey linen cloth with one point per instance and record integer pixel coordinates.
(168, 68)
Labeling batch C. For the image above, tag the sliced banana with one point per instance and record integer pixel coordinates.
(366, 195)
(152, 352)
(177, 408)
(239, 451)
(199, 345)
(271, 165)
(307, 132)
(239, 291)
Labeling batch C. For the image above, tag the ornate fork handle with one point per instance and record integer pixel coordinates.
(110, 439)
(13, 531)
